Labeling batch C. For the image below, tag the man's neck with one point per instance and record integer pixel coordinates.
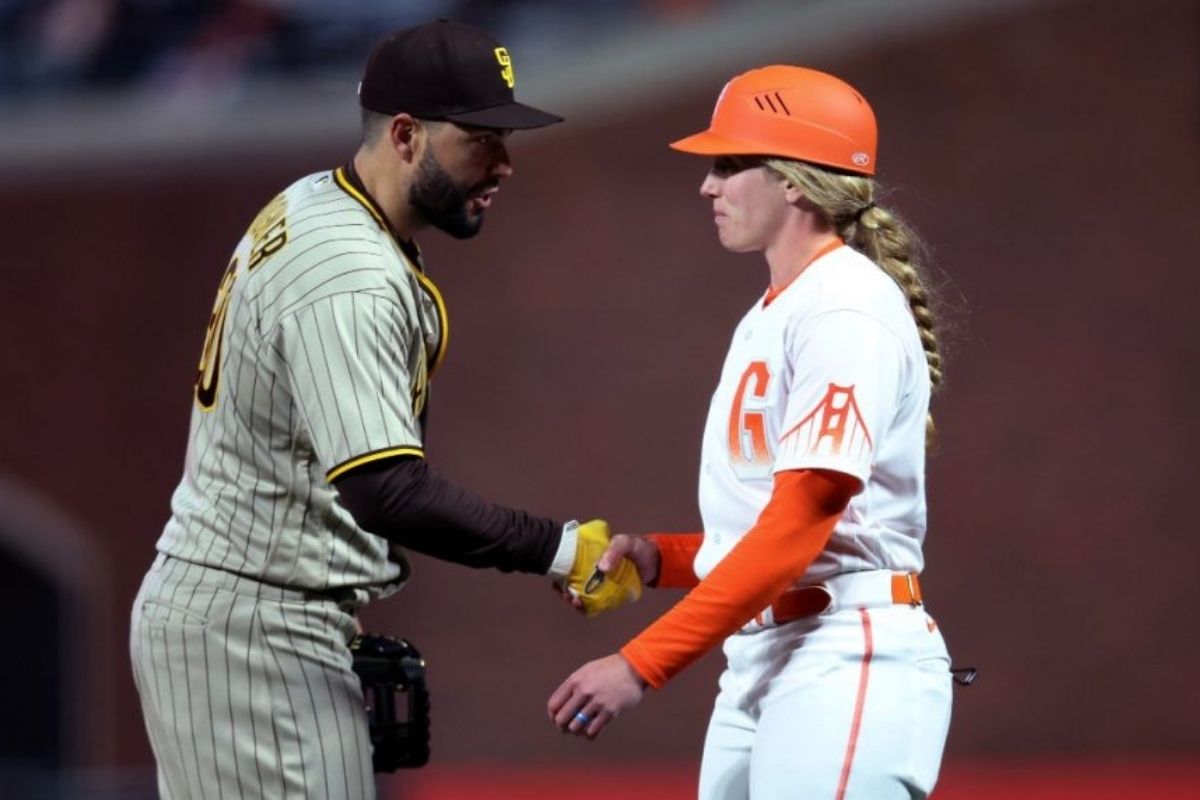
(388, 195)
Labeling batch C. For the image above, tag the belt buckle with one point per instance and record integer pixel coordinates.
(914, 592)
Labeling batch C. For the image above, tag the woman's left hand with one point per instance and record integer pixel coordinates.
(594, 694)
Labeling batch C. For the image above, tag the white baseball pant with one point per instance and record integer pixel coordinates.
(849, 704)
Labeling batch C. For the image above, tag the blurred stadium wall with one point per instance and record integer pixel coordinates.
(1047, 152)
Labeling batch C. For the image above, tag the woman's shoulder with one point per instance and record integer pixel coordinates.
(847, 279)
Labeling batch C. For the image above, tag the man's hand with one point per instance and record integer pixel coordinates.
(595, 694)
(596, 589)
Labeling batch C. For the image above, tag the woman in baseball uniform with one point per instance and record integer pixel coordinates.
(812, 481)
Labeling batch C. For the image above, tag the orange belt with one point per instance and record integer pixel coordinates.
(808, 601)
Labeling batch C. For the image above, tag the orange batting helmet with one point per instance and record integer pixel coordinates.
(790, 112)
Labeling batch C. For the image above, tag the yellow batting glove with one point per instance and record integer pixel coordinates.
(598, 591)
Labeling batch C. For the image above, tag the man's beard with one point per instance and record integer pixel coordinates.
(442, 202)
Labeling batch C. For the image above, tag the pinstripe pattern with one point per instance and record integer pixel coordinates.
(326, 353)
(324, 339)
(247, 689)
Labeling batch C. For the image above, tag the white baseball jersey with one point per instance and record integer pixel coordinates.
(829, 375)
(318, 356)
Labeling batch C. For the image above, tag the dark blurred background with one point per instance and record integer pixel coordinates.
(1047, 152)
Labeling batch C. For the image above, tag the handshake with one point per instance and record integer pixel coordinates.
(592, 589)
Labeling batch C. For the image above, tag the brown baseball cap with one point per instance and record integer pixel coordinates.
(445, 70)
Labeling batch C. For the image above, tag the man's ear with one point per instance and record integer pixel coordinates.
(403, 135)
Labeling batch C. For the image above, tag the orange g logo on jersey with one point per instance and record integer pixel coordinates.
(748, 428)
(834, 428)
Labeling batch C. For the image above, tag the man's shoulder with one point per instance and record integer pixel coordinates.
(314, 242)
(315, 234)
(318, 204)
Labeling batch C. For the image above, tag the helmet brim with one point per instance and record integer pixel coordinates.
(707, 143)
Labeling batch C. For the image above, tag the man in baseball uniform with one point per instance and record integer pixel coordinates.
(305, 472)
(812, 477)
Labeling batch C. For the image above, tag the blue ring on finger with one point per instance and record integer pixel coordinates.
(582, 718)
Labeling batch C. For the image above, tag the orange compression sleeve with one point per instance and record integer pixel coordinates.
(677, 551)
(789, 534)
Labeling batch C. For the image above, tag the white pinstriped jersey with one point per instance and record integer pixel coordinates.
(318, 356)
(830, 375)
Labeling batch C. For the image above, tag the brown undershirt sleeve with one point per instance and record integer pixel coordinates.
(404, 500)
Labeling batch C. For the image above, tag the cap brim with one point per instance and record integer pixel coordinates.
(515, 116)
(708, 143)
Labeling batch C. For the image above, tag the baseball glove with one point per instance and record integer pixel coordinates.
(383, 665)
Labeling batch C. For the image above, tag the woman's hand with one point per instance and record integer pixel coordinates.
(595, 694)
(641, 551)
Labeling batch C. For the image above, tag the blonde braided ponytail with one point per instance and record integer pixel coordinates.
(847, 202)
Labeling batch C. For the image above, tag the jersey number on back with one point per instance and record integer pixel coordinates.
(268, 233)
(210, 357)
